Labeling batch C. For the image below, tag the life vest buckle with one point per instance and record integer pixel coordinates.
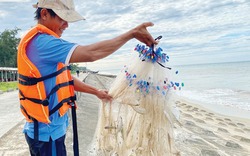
(71, 103)
(45, 102)
(73, 98)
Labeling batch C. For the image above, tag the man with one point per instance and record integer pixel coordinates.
(44, 83)
(77, 73)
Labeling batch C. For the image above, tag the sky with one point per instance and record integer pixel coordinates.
(194, 31)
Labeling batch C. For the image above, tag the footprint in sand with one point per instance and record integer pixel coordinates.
(222, 130)
(199, 120)
(208, 133)
(232, 124)
(188, 106)
(239, 130)
(240, 124)
(232, 144)
(219, 119)
(190, 110)
(208, 118)
(209, 115)
(205, 152)
(246, 129)
(223, 124)
(198, 114)
(183, 104)
(195, 109)
(227, 119)
(187, 115)
(190, 123)
(177, 102)
(242, 139)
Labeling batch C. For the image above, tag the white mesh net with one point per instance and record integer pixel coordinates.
(139, 119)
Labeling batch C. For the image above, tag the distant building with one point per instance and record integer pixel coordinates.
(8, 74)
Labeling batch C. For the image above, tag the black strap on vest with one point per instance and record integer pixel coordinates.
(36, 131)
(24, 110)
(58, 86)
(75, 133)
(72, 98)
(29, 81)
(38, 101)
(45, 102)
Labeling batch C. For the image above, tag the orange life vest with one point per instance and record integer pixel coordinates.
(33, 99)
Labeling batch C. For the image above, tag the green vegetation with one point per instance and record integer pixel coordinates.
(8, 48)
(75, 67)
(5, 86)
(8, 55)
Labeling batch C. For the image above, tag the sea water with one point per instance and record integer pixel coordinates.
(222, 85)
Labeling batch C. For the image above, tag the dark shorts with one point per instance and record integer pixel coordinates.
(41, 148)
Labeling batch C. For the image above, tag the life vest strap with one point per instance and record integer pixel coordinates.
(29, 81)
(24, 110)
(36, 129)
(58, 86)
(45, 102)
(69, 100)
(38, 101)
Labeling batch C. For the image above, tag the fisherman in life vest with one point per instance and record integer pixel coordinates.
(46, 87)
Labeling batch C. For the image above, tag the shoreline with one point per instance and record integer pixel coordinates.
(200, 131)
(220, 109)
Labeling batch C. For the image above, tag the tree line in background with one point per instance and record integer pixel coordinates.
(8, 48)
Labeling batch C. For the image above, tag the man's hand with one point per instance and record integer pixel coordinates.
(103, 95)
(141, 33)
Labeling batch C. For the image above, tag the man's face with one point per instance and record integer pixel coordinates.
(56, 24)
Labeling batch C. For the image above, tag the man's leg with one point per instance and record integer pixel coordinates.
(60, 146)
(39, 148)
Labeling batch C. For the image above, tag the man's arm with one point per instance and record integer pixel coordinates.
(102, 49)
(83, 87)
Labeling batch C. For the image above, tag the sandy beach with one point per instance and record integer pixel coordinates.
(203, 132)
(198, 132)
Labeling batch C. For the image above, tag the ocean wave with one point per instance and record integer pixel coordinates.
(219, 96)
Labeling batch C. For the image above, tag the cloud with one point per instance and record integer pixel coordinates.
(193, 31)
(2, 14)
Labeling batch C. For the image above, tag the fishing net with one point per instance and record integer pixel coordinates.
(138, 122)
